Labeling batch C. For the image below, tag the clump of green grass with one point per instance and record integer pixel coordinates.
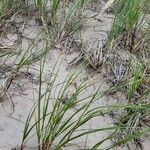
(128, 38)
(50, 122)
(61, 18)
(128, 15)
(135, 85)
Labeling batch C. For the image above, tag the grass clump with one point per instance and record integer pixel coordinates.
(51, 122)
(128, 15)
(50, 119)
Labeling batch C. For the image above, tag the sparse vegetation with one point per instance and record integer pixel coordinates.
(51, 43)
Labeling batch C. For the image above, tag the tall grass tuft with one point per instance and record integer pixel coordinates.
(128, 15)
(48, 116)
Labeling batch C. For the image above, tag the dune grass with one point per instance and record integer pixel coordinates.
(49, 119)
(54, 124)
(128, 15)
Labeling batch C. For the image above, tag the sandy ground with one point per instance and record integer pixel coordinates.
(23, 91)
